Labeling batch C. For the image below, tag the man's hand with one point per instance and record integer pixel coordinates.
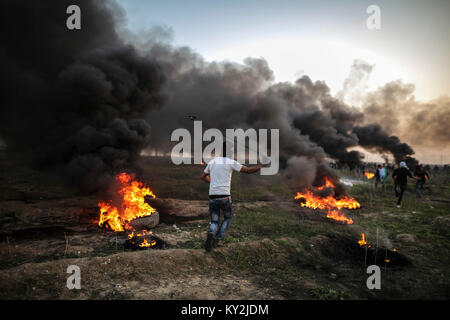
(205, 177)
(249, 170)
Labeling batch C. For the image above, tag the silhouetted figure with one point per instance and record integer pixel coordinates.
(400, 176)
(422, 176)
(380, 176)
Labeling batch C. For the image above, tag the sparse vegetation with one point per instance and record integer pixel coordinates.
(274, 248)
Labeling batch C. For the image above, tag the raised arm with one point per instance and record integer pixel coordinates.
(411, 176)
(249, 170)
(205, 177)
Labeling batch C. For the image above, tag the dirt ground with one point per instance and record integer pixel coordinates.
(45, 237)
(274, 248)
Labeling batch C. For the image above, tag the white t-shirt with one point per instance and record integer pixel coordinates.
(220, 170)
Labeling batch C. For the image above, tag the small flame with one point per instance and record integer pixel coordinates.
(329, 203)
(387, 260)
(395, 250)
(362, 242)
(144, 244)
(203, 163)
(369, 175)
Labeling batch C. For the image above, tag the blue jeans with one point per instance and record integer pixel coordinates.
(215, 205)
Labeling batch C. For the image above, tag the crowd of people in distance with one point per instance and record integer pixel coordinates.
(420, 173)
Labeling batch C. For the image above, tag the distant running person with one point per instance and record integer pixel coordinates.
(218, 174)
(400, 180)
(422, 176)
(380, 176)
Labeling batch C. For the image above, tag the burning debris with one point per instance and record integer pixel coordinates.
(369, 175)
(378, 255)
(360, 252)
(313, 199)
(142, 240)
(132, 204)
(362, 242)
(126, 211)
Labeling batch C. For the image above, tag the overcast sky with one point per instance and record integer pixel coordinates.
(317, 38)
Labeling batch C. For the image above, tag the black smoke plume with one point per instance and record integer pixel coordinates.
(374, 137)
(78, 99)
(74, 99)
(313, 124)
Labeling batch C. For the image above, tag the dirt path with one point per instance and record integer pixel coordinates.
(146, 274)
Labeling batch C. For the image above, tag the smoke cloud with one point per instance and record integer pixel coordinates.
(373, 137)
(74, 99)
(86, 101)
(395, 108)
(355, 85)
(313, 124)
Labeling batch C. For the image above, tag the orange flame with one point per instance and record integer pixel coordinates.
(332, 205)
(144, 244)
(133, 205)
(369, 175)
(363, 240)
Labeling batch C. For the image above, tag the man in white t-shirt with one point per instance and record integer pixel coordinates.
(218, 174)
